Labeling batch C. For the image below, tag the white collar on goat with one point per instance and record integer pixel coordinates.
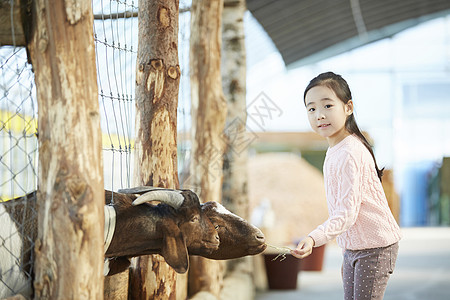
(110, 225)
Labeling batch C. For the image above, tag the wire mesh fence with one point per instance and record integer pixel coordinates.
(116, 41)
(184, 103)
(18, 170)
(115, 37)
(18, 125)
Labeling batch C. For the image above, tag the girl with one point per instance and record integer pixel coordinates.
(359, 216)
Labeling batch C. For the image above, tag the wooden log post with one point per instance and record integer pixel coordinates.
(209, 109)
(235, 195)
(238, 282)
(69, 248)
(116, 286)
(157, 85)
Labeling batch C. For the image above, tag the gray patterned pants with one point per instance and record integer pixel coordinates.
(365, 273)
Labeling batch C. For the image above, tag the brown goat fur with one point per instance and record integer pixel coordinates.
(192, 228)
(238, 238)
(169, 234)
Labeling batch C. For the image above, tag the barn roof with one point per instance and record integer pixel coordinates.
(306, 31)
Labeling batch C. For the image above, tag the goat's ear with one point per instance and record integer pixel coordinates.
(116, 265)
(174, 248)
(208, 205)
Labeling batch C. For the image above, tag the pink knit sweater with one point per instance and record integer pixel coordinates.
(359, 215)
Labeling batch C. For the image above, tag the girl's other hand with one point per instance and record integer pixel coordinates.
(304, 248)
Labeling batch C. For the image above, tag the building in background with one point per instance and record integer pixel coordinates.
(401, 91)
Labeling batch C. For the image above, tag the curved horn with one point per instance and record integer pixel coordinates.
(141, 190)
(172, 198)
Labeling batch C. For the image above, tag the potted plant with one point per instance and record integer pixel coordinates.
(282, 269)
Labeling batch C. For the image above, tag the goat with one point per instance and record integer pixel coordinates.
(238, 238)
(173, 229)
(18, 232)
(167, 229)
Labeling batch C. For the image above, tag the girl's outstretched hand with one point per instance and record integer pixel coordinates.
(304, 248)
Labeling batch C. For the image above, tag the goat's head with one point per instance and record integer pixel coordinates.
(238, 237)
(197, 228)
(181, 227)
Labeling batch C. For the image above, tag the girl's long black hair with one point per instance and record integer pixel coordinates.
(342, 91)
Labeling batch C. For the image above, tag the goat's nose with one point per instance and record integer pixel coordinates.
(260, 238)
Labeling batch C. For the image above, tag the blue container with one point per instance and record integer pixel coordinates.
(414, 194)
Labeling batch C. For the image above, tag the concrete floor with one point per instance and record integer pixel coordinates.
(422, 271)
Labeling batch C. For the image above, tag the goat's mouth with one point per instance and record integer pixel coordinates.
(212, 245)
(257, 249)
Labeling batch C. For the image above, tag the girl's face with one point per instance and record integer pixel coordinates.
(327, 113)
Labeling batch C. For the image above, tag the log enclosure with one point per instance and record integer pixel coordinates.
(70, 195)
(239, 274)
(209, 110)
(71, 181)
(157, 84)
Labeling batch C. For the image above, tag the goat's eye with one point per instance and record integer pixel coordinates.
(217, 227)
(194, 219)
